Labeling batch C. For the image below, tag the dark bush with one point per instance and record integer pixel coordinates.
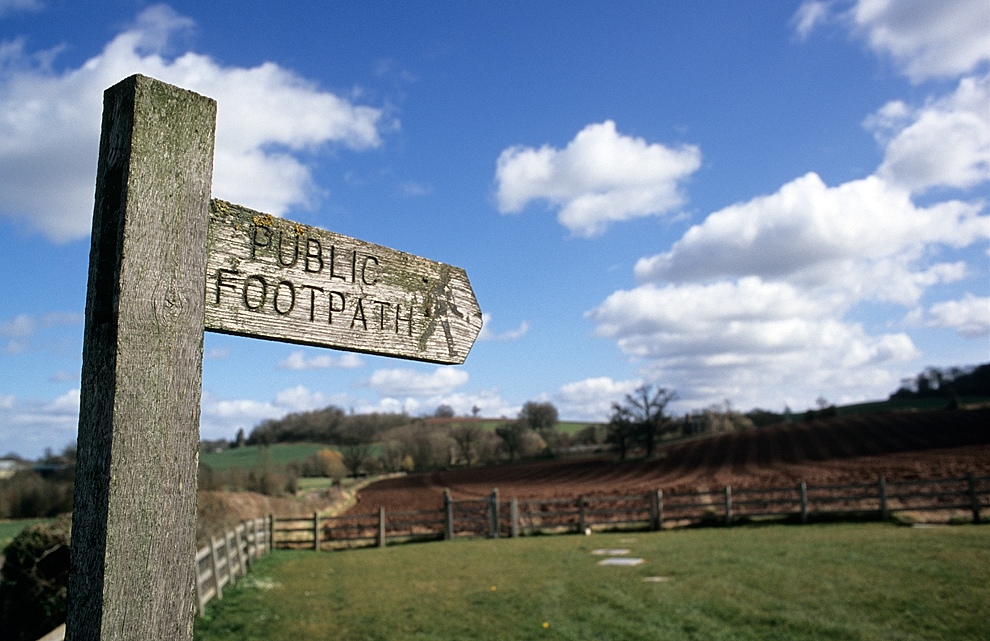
(33, 581)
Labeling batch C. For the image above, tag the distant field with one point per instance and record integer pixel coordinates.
(900, 405)
(568, 427)
(787, 583)
(280, 455)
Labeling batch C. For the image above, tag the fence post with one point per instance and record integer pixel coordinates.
(231, 571)
(659, 510)
(803, 489)
(581, 515)
(134, 514)
(238, 532)
(974, 498)
(493, 512)
(514, 516)
(216, 567)
(728, 505)
(448, 515)
(256, 525)
(882, 488)
(316, 531)
(381, 527)
(200, 605)
(271, 532)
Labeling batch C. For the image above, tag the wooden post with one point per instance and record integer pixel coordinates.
(239, 531)
(134, 516)
(493, 511)
(654, 500)
(728, 505)
(882, 490)
(803, 489)
(271, 532)
(316, 531)
(974, 498)
(253, 551)
(514, 516)
(581, 515)
(231, 570)
(381, 527)
(217, 583)
(448, 516)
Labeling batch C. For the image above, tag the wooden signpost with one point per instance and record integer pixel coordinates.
(276, 279)
(156, 233)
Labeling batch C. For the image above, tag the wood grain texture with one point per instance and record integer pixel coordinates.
(272, 278)
(134, 519)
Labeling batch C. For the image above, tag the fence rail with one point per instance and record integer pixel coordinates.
(219, 563)
(493, 517)
(228, 556)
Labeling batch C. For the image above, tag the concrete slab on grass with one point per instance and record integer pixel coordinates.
(621, 560)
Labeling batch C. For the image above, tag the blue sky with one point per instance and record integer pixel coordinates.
(759, 203)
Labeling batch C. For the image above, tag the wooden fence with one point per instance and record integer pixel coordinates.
(219, 563)
(961, 497)
(229, 556)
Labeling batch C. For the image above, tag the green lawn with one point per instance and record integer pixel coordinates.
(836, 581)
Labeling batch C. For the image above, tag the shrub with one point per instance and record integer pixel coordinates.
(33, 581)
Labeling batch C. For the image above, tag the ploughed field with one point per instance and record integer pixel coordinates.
(855, 449)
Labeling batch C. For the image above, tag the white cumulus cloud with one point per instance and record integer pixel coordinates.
(488, 334)
(411, 382)
(946, 143)
(267, 117)
(599, 178)
(591, 399)
(809, 15)
(747, 340)
(860, 240)
(927, 39)
(970, 316)
(299, 361)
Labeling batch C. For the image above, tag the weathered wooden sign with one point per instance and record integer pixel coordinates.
(272, 278)
(156, 233)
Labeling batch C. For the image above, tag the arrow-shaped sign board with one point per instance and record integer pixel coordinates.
(271, 278)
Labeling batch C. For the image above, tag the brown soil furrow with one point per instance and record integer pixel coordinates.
(823, 452)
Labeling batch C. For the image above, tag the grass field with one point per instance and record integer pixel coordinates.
(250, 456)
(835, 581)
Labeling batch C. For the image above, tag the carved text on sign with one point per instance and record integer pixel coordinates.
(273, 278)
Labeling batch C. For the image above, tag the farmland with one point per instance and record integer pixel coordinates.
(849, 449)
(252, 456)
(838, 581)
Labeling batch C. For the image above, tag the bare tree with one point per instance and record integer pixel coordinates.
(620, 432)
(355, 456)
(644, 411)
(467, 438)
